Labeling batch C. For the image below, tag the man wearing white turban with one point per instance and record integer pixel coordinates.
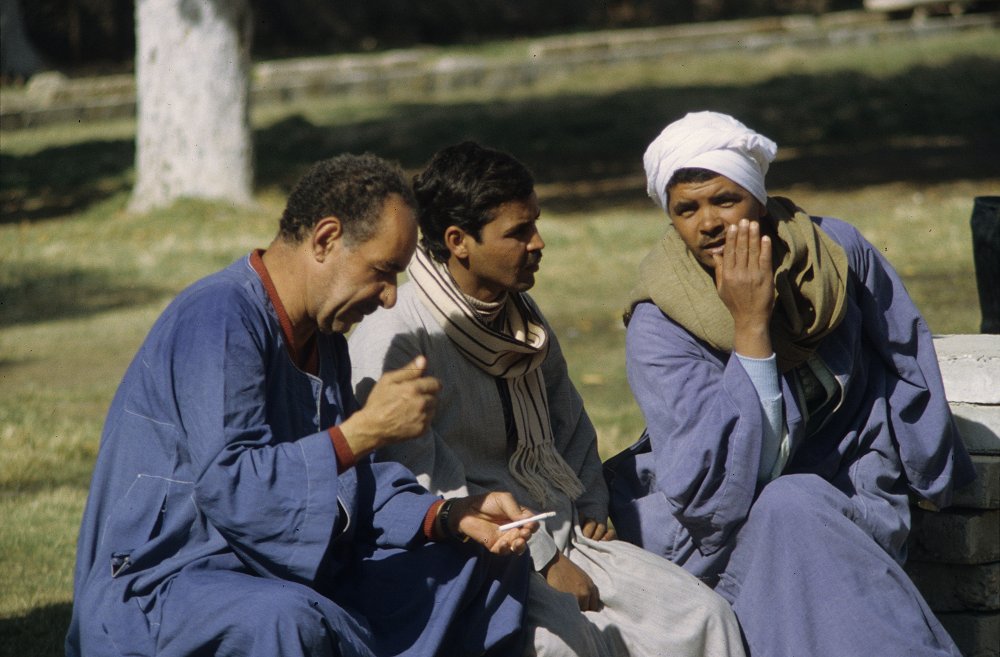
(793, 406)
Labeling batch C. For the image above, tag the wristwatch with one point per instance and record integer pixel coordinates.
(444, 526)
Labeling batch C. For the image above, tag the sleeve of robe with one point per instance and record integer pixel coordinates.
(930, 449)
(705, 424)
(274, 498)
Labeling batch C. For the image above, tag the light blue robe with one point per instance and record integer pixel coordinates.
(217, 522)
(810, 561)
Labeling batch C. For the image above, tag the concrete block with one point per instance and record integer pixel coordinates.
(970, 367)
(950, 587)
(976, 634)
(955, 536)
(984, 492)
(979, 425)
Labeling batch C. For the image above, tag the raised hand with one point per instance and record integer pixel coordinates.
(399, 407)
(744, 279)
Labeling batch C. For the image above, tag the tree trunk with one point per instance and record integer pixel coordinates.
(192, 72)
(18, 56)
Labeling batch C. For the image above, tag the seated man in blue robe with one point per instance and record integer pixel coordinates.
(794, 408)
(234, 507)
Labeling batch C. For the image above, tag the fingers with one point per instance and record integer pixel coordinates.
(764, 261)
(505, 505)
(510, 542)
(753, 244)
(484, 532)
(400, 405)
(479, 517)
(729, 248)
(594, 530)
(743, 246)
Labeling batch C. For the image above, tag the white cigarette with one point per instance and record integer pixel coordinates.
(519, 523)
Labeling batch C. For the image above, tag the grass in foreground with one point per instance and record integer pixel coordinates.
(893, 138)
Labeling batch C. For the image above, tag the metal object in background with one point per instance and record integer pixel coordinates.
(986, 254)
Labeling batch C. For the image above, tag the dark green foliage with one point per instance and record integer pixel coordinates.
(100, 33)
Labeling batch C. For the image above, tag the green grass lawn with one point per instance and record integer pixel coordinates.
(897, 137)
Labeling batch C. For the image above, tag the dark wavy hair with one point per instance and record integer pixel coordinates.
(462, 186)
(352, 188)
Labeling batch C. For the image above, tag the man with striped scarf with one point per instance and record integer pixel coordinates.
(509, 418)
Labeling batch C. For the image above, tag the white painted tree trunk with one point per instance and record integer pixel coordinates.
(192, 72)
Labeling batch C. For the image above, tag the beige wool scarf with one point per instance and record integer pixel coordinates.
(514, 353)
(810, 281)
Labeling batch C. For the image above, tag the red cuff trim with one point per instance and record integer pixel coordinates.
(432, 514)
(345, 455)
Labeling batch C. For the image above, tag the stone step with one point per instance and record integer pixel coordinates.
(984, 492)
(975, 634)
(951, 587)
(979, 425)
(956, 536)
(970, 367)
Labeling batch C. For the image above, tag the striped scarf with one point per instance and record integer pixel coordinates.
(513, 353)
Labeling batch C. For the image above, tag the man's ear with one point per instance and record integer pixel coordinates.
(326, 235)
(456, 240)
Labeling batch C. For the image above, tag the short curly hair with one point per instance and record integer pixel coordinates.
(352, 188)
(462, 186)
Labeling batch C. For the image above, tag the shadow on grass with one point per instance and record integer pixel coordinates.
(40, 633)
(836, 130)
(42, 294)
(57, 181)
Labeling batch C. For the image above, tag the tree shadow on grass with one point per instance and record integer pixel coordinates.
(39, 633)
(42, 294)
(837, 130)
(57, 181)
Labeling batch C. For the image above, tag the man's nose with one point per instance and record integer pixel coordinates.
(536, 243)
(388, 296)
(710, 221)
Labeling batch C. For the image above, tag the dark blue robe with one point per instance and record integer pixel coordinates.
(811, 561)
(217, 522)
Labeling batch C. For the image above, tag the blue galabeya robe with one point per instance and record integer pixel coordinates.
(811, 560)
(217, 519)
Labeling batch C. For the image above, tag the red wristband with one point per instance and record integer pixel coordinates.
(345, 455)
(430, 518)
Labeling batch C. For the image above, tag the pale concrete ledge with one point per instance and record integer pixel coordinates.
(955, 553)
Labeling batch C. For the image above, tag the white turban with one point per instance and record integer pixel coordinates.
(713, 141)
